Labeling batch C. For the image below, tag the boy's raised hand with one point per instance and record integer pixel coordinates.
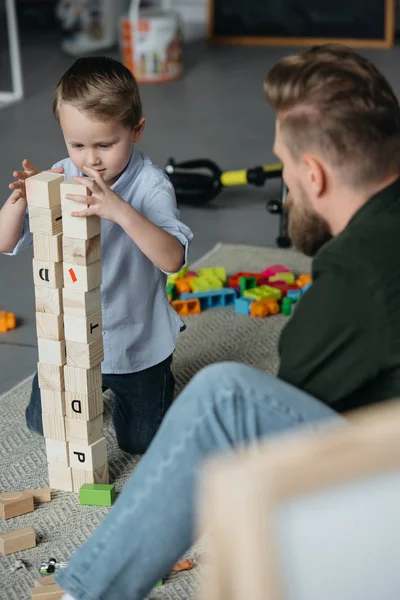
(18, 186)
(102, 201)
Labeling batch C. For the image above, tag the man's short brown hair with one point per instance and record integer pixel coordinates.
(101, 87)
(331, 100)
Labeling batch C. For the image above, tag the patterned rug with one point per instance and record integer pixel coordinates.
(62, 524)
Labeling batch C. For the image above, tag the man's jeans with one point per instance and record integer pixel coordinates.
(140, 402)
(225, 407)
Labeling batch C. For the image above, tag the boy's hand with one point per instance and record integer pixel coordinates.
(18, 186)
(102, 202)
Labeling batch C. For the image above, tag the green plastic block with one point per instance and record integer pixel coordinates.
(247, 283)
(206, 284)
(159, 583)
(263, 291)
(218, 272)
(172, 277)
(288, 277)
(171, 290)
(287, 307)
(97, 494)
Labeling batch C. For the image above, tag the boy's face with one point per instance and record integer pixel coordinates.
(103, 145)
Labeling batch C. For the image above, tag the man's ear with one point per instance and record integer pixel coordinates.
(138, 131)
(315, 174)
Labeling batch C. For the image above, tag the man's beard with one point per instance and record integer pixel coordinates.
(307, 230)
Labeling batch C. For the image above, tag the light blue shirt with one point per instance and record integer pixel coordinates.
(140, 328)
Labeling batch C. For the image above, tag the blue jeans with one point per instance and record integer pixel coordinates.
(140, 402)
(225, 407)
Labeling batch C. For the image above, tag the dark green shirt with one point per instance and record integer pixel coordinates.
(342, 344)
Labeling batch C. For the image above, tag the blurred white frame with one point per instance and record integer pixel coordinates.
(17, 93)
(309, 515)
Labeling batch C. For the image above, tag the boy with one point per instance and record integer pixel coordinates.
(98, 107)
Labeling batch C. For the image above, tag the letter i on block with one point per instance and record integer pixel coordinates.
(84, 342)
(45, 221)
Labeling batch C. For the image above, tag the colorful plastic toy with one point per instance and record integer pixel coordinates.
(97, 494)
(7, 321)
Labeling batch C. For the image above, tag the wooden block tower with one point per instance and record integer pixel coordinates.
(67, 278)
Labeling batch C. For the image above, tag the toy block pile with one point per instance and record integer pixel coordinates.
(67, 278)
(275, 290)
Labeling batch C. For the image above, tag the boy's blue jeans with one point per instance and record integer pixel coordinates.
(152, 523)
(140, 402)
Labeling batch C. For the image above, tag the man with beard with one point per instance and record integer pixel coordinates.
(338, 136)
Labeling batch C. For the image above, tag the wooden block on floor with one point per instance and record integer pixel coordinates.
(52, 352)
(82, 278)
(14, 504)
(82, 381)
(43, 189)
(17, 539)
(60, 478)
(85, 356)
(47, 592)
(83, 330)
(45, 580)
(53, 402)
(45, 220)
(47, 274)
(88, 458)
(97, 494)
(48, 300)
(54, 427)
(82, 228)
(82, 476)
(50, 327)
(78, 303)
(41, 494)
(84, 432)
(82, 252)
(57, 453)
(84, 407)
(51, 377)
(48, 247)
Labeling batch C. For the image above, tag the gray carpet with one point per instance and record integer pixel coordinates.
(213, 336)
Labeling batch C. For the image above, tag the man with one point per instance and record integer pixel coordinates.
(338, 136)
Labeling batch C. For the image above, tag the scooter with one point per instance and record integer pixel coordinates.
(198, 182)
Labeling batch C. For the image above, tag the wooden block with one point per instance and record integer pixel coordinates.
(53, 401)
(57, 453)
(82, 381)
(48, 300)
(99, 475)
(70, 186)
(60, 478)
(82, 304)
(43, 189)
(81, 252)
(83, 330)
(51, 377)
(82, 278)
(45, 580)
(48, 247)
(84, 432)
(47, 592)
(47, 274)
(54, 427)
(97, 494)
(45, 220)
(82, 228)
(18, 539)
(85, 355)
(84, 407)
(52, 352)
(13, 504)
(40, 495)
(88, 458)
(50, 327)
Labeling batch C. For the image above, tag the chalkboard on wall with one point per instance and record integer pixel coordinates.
(364, 23)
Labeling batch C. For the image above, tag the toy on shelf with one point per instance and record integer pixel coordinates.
(274, 290)
(7, 321)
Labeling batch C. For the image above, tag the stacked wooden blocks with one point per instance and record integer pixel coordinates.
(67, 278)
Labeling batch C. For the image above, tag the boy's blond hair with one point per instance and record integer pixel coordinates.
(101, 87)
(332, 101)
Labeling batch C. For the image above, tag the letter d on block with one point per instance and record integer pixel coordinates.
(76, 406)
(81, 456)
